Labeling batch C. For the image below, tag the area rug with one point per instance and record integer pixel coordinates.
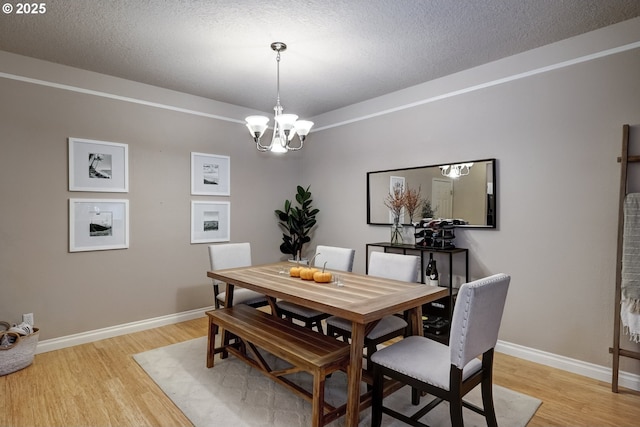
(234, 394)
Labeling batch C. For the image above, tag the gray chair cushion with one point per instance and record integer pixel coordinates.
(385, 326)
(298, 309)
(244, 296)
(404, 357)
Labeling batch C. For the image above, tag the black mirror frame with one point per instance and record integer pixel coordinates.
(493, 161)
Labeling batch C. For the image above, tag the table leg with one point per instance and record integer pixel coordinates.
(273, 306)
(354, 373)
(415, 321)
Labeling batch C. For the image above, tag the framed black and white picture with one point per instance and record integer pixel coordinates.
(98, 166)
(98, 224)
(210, 222)
(210, 175)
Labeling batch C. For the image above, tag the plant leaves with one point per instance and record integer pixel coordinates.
(297, 221)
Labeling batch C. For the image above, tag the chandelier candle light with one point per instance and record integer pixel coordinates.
(286, 126)
(455, 171)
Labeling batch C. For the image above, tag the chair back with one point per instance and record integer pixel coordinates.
(476, 318)
(394, 266)
(229, 255)
(336, 258)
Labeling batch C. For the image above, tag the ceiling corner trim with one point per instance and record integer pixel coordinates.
(450, 94)
(496, 82)
(117, 97)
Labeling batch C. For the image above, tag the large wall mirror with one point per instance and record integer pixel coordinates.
(465, 191)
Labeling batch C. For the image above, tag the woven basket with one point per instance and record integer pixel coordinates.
(18, 355)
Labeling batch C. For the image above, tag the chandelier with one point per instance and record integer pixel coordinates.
(455, 171)
(285, 127)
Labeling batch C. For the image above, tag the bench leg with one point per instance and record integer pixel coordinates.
(226, 339)
(211, 343)
(317, 405)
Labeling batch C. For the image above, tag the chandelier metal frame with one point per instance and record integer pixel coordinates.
(285, 127)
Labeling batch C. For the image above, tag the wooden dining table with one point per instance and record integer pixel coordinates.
(362, 299)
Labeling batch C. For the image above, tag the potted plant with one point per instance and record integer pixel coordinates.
(427, 209)
(296, 223)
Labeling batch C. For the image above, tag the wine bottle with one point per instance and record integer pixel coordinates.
(433, 276)
(427, 272)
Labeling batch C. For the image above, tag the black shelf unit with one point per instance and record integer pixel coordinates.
(444, 306)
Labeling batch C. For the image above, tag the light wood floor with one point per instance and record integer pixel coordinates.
(99, 384)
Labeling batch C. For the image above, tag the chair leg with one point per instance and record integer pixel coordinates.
(455, 397)
(487, 403)
(487, 389)
(311, 323)
(372, 347)
(415, 396)
(336, 333)
(455, 412)
(331, 331)
(376, 398)
(216, 302)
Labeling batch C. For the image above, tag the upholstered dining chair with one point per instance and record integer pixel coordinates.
(231, 255)
(336, 258)
(448, 372)
(388, 266)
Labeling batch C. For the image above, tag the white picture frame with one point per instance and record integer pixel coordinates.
(210, 175)
(98, 166)
(98, 224)
(210, 221)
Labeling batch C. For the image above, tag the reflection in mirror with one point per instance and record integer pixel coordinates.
(464, 191)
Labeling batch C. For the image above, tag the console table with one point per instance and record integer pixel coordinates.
(443, 306)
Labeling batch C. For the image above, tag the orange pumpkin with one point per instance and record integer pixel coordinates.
(307, 273)
(322, 276)
(295, 271)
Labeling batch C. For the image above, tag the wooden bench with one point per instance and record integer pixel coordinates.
(303, 348)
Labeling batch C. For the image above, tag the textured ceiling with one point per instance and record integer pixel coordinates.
(339, 51)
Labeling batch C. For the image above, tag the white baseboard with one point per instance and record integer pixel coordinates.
(114, 331)
(601, 373)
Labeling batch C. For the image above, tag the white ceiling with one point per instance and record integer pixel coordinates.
(339, 51)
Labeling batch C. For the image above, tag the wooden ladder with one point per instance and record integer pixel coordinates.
(617, 352)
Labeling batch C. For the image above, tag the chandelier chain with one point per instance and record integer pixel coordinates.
(278, 78)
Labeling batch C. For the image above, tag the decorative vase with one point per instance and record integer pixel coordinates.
(396, 232)
(410, 234)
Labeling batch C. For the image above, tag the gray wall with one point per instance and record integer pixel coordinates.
(556, 136)
(161, 272)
